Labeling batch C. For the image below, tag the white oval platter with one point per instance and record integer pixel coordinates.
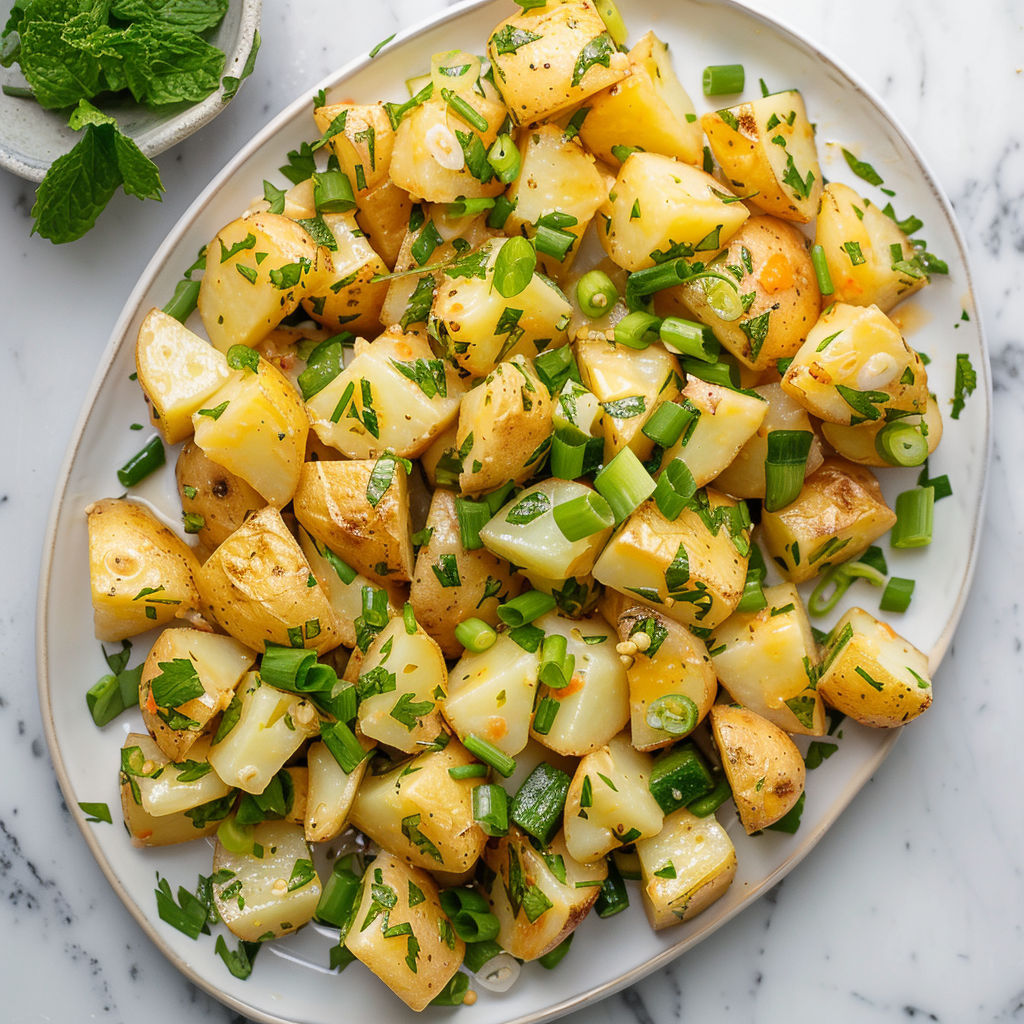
(291, 982)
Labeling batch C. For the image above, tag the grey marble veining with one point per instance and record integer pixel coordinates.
(911, 908)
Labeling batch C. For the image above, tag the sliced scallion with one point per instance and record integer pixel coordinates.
(785, 466)
(901, 444)
(624, 483)
(504, 157)
(675, 713)
(490, 754)
(475, 635)
(490, 809)
(583, 516)
(140, 465)
(691, 339)
(821, 270)
(914, 515)
(596, 293)
(897, 594)
(840, 578)
(676, 486)
(723, 79)
(525, 608)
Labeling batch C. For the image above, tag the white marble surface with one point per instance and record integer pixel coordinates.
(910, 908)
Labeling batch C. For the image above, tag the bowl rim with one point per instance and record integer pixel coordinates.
(176, 129)
(119, 337)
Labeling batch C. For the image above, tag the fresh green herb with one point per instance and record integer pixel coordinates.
(177, 684)
(188, 915)
(96, 813)
(965, 381)
(598, 51)
(862, 169)
(238, 961)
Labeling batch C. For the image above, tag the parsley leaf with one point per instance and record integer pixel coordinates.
(862, 169)
(965, 382)
(177, 684)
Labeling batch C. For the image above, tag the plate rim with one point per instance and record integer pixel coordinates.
(119, 337)
(179, 127)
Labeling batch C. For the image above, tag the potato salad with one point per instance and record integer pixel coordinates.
(509, 430)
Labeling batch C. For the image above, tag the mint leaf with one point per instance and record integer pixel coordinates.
(139, 175)
(60, 73)
(85, 113)
(191, 15)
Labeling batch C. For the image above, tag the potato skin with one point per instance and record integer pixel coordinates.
(762, 764)
(221, 498)
(130, 551)
(784, 285)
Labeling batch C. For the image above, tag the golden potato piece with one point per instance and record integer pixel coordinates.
(363, 146)
(762, 764)
(383, 213)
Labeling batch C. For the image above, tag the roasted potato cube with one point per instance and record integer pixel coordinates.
(768, 661)
(744, 476)
(551, 58)
(421, 814)
(726, 420)
(525, 532)
(440, 158)
(504, 428)
(539, 898)
(686, 867)
(555, 174)
(854, 367)
(383, 214)
(416, 961)
(648, 109)
(142, 575)
(331, 793)
(166, 793)
(270, 728)
(872, 674)
(178, 372)
(660, 208)
(258, 268)
(681, 567)
(347, 297)
(609, 803)
(491, 694)
(333, 502)
(403, 679)
(256, 586)
(364, 144)
(270, 895)
(480, 328)
(766, 149)
(858, 238)
(666, 660)
(189, 661)
(442, 598)
(594, 707)
(628, 384)
(761, 762)
(181, 826)
(768, 263)
(393, 395)
(840, 512)
(858, 443)
(256, 428)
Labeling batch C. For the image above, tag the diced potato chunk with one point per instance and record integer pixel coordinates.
(504, 428)
(141, 574)
(594, 707)
(609, 804)
(840, 512)
(363, 146)
(681, 567)
(855, 367)
(490, 694)
(538, 898)
(872, 674)
(551, 58)
(415, 964)
(555, 174)
(331, 793)
(648, 109)
(858, 238)
(668, 660)
(768, 661)
(421, 814)
(268, 896)
(178, 372)
(256, 428)
(347, 298)
(256, 586)
(744, 476)
(726, 420)
(629, 384)
(403, 677)
(216, 664)
(258, 269)
(480, 328)
(784, 174)
(383, 213)
(525, 532)
(663, 208)
(858, 443)
(686, 867)
(375, 539)
(393, 394)
(271, 726)
(168, 794)
(762, 764)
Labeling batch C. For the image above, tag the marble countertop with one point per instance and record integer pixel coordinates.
(912, 905)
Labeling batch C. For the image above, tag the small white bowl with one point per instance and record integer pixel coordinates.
(31, 138)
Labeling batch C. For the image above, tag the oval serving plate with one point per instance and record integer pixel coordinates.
(291, 982)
